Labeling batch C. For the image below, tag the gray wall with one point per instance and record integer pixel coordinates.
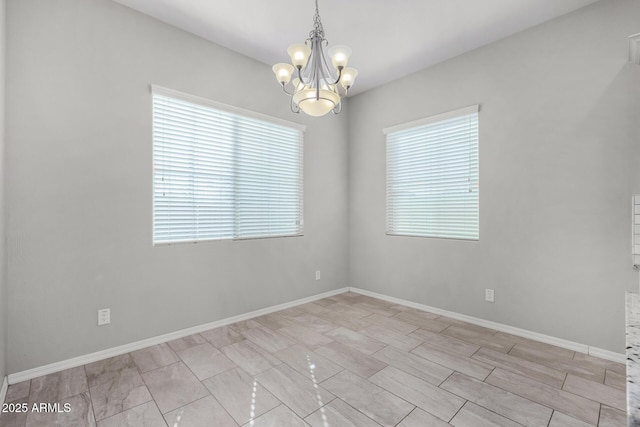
(558, 165)
(559, 162)
(79, 196)
(3, 256)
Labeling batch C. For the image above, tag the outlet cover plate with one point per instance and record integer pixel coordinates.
(489, 295)
(104, 316)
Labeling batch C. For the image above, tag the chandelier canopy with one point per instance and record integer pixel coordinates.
(316, 88)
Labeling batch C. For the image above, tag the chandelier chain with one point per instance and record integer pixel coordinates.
(317, 24)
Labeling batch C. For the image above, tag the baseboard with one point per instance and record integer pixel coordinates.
(116, 351)
(3, 389)
(137, 345)
(607, 354)
(559, 342)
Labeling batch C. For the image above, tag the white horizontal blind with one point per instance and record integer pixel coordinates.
(432, 178)
(268, 184)
(221, 175)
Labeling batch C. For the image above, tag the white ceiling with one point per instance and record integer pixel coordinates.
(390, 39)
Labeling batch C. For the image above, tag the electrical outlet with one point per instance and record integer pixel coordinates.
(489, 295)
(104, 316)
(318, 275)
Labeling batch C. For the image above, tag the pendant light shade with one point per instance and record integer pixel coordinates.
(283, 72)
(316, 103)
(299, 54)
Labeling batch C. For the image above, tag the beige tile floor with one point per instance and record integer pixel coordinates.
(348, 360)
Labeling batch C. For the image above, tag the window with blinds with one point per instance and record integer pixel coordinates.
(432, 176)
(223, 173)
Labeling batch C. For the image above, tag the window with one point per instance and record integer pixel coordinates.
(432, 176)
(223, 173)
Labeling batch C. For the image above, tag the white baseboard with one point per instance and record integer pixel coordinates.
(116, 351)
(3, 389)
(582, 348)
(607, 354)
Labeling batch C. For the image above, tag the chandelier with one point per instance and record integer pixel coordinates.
(316, 88)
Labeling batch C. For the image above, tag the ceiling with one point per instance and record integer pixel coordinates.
(390, 39)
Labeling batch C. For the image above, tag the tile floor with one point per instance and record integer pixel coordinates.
(348, 360)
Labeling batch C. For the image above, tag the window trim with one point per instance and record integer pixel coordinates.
(417, 123)
(163, 91)
(160, 90)
(432, 119)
